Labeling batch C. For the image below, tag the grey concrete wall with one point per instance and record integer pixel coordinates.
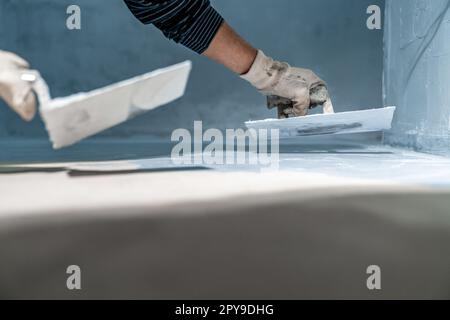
(328, 36)
(417, 72)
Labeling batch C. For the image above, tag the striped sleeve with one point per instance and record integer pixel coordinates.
(193, 23)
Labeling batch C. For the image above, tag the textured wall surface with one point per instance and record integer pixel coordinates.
(417, 72)
(325, 35)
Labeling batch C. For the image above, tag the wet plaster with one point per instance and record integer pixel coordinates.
(344, 159)
(417, 73)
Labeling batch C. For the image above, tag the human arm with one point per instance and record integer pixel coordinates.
(196, 25)
(293, 90)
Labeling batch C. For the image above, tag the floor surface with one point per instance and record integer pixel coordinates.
(142, 227)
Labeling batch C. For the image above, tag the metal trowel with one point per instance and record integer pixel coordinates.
(70, 119)
(328, 123)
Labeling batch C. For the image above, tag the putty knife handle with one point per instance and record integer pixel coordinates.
(328, 107)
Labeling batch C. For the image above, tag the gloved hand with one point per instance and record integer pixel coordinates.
(17, 92)
(293, 90)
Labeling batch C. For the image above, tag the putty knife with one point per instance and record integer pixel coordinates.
(73, 118)
(333, 123)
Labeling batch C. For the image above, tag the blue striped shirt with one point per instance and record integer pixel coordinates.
(193, 23)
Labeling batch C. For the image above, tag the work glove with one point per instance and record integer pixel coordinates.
(14, 88)
(293, 90)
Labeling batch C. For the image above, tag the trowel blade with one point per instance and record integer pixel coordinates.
(71, 119)
(324, 124)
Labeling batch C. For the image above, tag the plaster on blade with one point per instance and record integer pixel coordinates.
(323, 124)
(73, 118)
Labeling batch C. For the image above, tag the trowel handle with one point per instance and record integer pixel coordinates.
(40, 87)
(281, 104)
(284, 103)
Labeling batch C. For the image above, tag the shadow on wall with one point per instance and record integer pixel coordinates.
(325, 35)
(417, 73)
